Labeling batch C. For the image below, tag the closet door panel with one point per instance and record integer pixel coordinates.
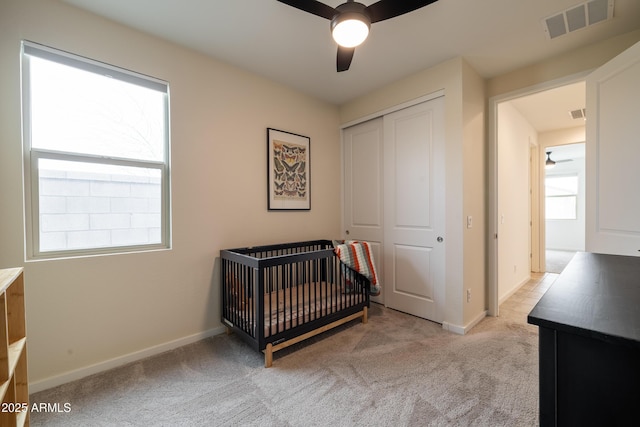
(414, 214)
(363, 197)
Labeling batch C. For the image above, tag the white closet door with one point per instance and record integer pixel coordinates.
(613, 155)
(414, 210)
(363, 189)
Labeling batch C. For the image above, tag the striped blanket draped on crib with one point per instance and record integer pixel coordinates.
(358, 255)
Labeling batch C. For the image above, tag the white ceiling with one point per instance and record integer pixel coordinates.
(295, 48)
(550, 109)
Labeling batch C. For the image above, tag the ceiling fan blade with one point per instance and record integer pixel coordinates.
(345, 55)
(312, 6)
(385, 9)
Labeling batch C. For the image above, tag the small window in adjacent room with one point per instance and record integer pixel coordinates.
(561, 197)
(96, 142)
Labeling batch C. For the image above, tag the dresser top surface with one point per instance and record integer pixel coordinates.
(596, 295)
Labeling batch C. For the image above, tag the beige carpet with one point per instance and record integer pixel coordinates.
(397, 370)
(557, 260)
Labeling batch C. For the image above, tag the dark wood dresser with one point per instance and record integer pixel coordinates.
(589, 335)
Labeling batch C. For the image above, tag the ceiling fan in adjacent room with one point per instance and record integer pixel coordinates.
(350, 21)
(549, 164)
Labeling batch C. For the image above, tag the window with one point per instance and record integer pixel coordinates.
(561, 197)
(96, 141)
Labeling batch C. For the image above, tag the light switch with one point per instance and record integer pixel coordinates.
(469, 221)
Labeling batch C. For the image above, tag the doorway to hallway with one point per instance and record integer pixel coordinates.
(524, 126)
(564, 202)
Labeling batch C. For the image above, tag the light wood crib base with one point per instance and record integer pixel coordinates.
(268, 352)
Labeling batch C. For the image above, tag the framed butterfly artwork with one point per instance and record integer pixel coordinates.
(288, 170)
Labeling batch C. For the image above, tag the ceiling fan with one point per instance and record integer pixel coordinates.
(548, 164)
(350, 21)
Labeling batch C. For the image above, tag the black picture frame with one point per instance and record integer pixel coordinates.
(288, 171)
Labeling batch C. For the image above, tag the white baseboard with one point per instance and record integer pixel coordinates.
(515, 289)
(76, 374)
(461, 330)
(456, 329)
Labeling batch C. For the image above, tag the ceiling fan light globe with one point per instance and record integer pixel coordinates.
(350, 30)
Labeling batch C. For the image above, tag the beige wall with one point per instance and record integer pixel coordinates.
(86, 314)
(575, 62)
(515, 135)
(561, 137)
(474, 191)
(464, 135)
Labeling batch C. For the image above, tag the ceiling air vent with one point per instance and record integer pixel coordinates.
(578, 114)
(577, 17)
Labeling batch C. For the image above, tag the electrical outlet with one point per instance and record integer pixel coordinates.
(468, 295)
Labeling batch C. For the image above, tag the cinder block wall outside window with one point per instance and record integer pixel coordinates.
(83, 210)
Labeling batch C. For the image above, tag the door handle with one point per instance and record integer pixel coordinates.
(440, 239)
(347, 232)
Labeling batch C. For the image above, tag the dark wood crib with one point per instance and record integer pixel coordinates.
(275, 296)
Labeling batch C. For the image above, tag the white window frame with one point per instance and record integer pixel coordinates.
(33, 155)
(573, 196)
